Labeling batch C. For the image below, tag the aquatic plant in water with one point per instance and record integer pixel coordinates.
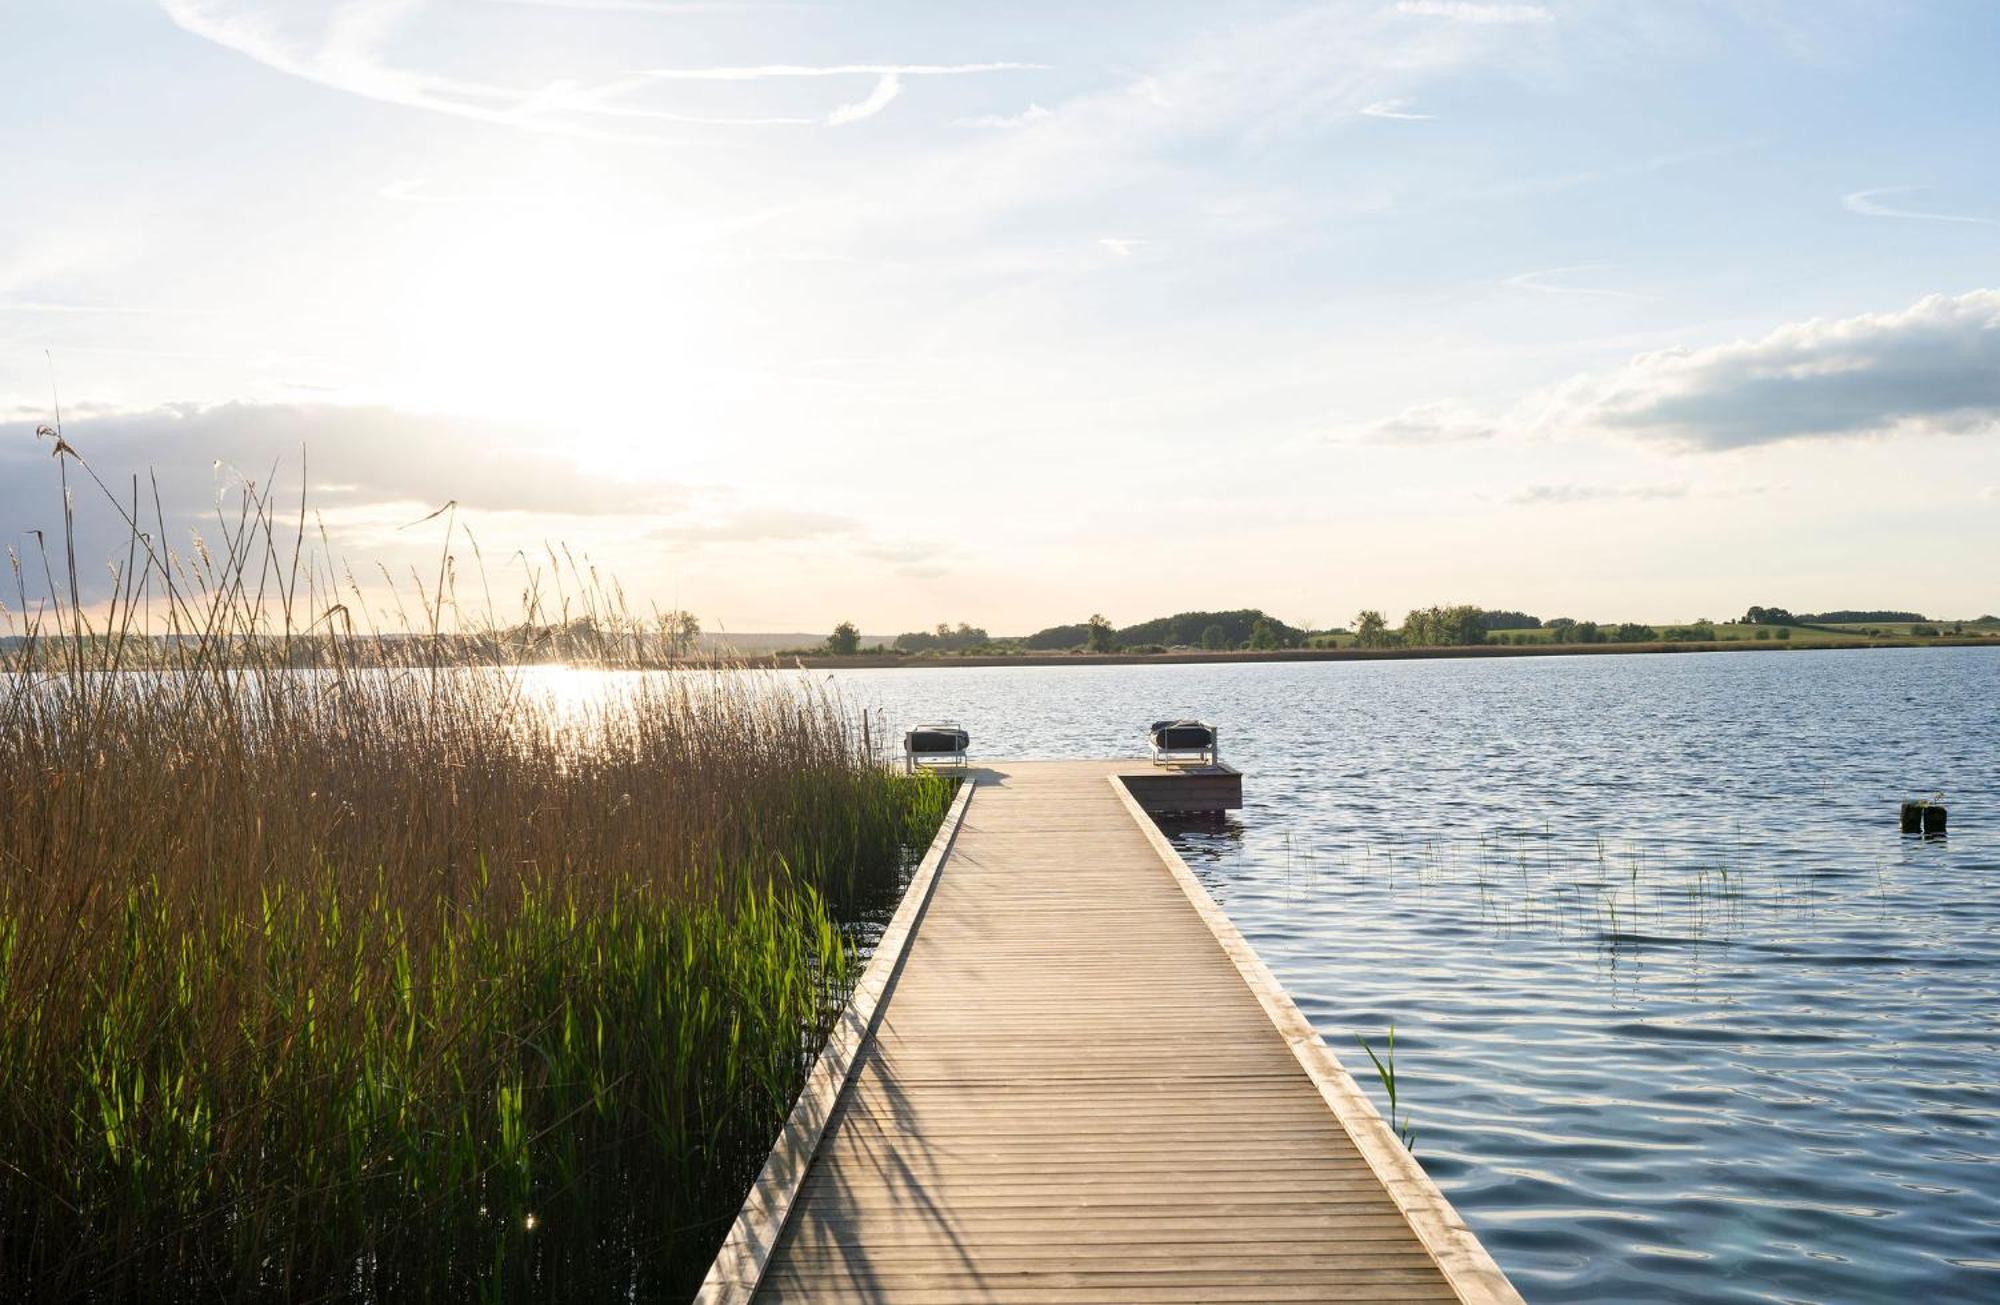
(380, 982)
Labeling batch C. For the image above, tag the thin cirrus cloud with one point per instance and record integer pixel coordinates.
(1869, 203)
(887, 88)
(1463, 11)
(1402, 110)
(1005, 121)
(1931, 368)
(755, 525)
(1553, 281)
(1544, 495)
(346, 54)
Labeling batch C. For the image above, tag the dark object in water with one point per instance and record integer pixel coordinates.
(1184, 741)
(1923, 818)
(936, 745)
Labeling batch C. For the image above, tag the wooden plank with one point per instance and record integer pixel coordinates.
(1079, 1085)
(746, 1248)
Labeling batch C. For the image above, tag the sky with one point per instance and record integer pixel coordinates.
(789, 313)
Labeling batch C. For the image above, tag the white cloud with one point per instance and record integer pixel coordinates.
(669, 8)
(1546, 281)
(1461, 11)
(886, 89)
(1542, 495)
(1398, 109)
(755, 525)
(1121, 246)
(1868, 204)
(758, 72)
(1430, 423)
(345, 53)
(1004, 121)
(1933, 367)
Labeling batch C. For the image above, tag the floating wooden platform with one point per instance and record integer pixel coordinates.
(1066, 1077)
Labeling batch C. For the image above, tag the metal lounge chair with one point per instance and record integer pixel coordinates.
(1184, 743)
(937, 747)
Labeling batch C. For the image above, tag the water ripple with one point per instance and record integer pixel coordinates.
(1679, 1015)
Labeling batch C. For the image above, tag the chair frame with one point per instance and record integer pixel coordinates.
(1210, 754)
(914, 760)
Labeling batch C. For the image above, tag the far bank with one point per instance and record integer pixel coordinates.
(870, 661)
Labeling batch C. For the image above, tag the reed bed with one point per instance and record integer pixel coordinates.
(449, 980)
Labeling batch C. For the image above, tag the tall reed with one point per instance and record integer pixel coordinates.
(420, 975)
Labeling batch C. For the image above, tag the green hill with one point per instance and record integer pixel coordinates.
(1057, 638)
(1185, 630)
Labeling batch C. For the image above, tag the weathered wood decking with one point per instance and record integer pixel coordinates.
(1082, 1085)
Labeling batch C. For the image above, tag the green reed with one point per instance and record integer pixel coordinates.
(383, 982)
(1385, 1070)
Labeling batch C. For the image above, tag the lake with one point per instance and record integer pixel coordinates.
(1679, 1015)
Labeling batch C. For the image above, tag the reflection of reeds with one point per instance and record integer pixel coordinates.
(377, 983)
(1586, 887)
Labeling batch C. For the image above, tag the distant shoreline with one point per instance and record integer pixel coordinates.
(933, 661)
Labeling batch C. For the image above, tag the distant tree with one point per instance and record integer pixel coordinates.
(1784, 632)
(1509, 621)
(1587, 632)
(1443, 627)
(1768, 616)
(1849, 617)
(1215, 638)
(1370, 630)
(1057, 637)
(1185, 629)
(680, 630)
(943, 638)
(845, 640)
(1924, 631)
(1763, 634)
(1099, 636)
(1561, 629)
(1263, 638)
(1632, 632)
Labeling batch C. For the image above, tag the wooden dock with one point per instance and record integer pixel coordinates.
(1067, 1078)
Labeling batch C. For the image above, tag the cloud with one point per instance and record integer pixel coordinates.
(1122, 246)
(1430, 423)
(345, 53)
(362, 462)
(1461, 11)
(1572, 493)
(757, 72)
(1005, 121)
(755, 525)
(1866, 203)
(664, 7)
(101, 310)
(1540, 282)
(1398, 109)
(886, 89)
(1933, 367)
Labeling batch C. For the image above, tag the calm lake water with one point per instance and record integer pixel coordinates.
(1679, 1014)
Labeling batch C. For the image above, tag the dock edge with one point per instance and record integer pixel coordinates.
(1460, 1256)
(739, 1265)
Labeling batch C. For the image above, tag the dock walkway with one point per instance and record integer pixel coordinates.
(1081, 1085)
